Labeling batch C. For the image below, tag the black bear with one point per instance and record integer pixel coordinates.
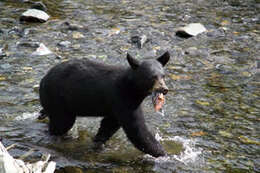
(82, 87)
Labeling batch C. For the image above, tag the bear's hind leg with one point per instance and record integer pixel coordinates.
(61, 123)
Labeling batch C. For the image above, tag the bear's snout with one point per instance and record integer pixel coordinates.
(165, 90)
(161, 87)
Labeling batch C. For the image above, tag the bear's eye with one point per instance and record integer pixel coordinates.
(154, 78)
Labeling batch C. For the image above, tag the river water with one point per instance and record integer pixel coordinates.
(211, 120)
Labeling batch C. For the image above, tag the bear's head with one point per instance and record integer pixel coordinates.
(148, 75)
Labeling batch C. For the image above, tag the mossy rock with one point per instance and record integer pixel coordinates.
(172, 147)
(69, 169)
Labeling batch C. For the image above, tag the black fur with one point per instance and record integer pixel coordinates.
(86, 88)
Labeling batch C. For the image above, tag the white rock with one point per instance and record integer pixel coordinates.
(10, 165)
(192, 29)
(42, 50)
(64, 43)
(34, 15)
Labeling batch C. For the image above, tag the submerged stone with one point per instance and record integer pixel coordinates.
(39, 6)
(28, 44)
(1, 31)
(64, 43)
(225, 134)
(73, 27)
(190, 30)
(70, 169)
(2, 53)
(173, 147)
(139, 40)
(34, 15)
(77, 35)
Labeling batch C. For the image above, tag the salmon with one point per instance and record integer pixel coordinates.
(158, 100)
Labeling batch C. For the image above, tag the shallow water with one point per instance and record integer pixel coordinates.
(212, 109)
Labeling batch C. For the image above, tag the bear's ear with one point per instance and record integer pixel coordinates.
(134, 63)
(163, 59)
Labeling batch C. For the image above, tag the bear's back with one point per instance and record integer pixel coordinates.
(85, 87)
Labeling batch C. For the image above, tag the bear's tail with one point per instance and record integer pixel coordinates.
(42, 115)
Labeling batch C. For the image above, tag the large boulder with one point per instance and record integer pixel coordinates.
(34, 15)
(190, 30)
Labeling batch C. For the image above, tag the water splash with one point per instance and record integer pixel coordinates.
(161, 112)
(189, 155)
(27, 115)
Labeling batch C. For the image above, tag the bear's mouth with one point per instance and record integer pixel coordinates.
(158, 100)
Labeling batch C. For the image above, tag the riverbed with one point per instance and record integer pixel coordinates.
(211, 118)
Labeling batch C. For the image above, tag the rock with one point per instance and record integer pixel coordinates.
(139, 40)
(15, 30)
(73, 27)
(42, 50)
(28, 44)
(39, 6)
(59, 57)
(76, 46)
(71, 169)
(195, 52)
(34, 15)
(77, 35)
(7, 21)
(191, 51)
(190, 30)
(28, 31)
(5, 66)
(2, 54)
(64, 43)
(1, 31)
(225, 134)
(10, 165)
(216, 33)
(114, 31)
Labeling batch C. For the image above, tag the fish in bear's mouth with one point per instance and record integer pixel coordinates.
(158, 100)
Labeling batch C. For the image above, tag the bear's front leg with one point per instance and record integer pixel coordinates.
(108, 127)
(138, 133)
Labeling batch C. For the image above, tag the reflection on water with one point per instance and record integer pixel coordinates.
(211, 118)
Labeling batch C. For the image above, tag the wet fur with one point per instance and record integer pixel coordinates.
(82, 87)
